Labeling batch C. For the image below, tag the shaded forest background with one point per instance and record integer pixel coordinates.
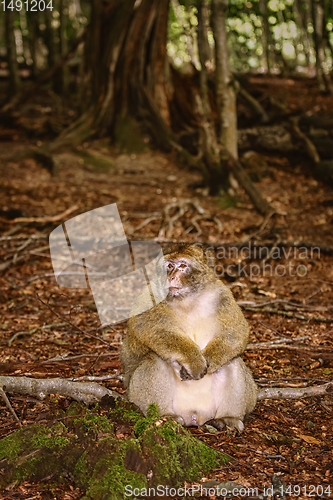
(169, 74)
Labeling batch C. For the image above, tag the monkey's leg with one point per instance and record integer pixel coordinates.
(153, 382)
(236, 394)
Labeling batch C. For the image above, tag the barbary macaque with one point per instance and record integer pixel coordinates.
(184, 353)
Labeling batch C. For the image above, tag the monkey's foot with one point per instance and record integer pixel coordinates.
(220, 423)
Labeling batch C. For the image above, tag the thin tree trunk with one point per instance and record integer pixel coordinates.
(266, 34)
(52, 49)
(33, 39)
(304, 37)
(324, 81)
(225, 93)
(14, 76)
(157, 79)
(63, 45)
(215, 176)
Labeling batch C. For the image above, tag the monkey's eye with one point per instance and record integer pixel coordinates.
(182, 266)
(169, 266)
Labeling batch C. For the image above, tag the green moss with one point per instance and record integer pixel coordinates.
(225, 201)
(50, 441)
(103, 466)
(125, 412)
(13, 445)
(99, 162)
(128, 136)
(143, 423)
(112, 485)
(153, 412)
(89, 420)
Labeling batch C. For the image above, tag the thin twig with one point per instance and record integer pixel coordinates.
(276, 342)
(66, 357)
(52, 218)
(4, 396)
(17, 260)
(276, 301)
(40, 236)
(96, 337)
(90, 378)
(34, 330)
(317, 319)
(267, 455)
(269, 328)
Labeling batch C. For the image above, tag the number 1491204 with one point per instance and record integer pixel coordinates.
(28, 5)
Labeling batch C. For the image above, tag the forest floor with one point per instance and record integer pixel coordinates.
(43, 326)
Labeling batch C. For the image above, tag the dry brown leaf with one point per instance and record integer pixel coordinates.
(309, 439)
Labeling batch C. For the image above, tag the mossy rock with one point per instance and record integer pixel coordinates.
(82, 445)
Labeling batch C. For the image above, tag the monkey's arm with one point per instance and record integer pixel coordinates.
(169, 342)
(231, 339)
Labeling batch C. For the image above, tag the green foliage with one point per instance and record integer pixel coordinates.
(287, 44)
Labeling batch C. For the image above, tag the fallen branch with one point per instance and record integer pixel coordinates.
(309, 146)
(274, 343)
(254, 105)
(52, 218)
(25, 237)
(294, 305)
(91, 378)
(235, 166)
(34, 330)
(317, 319)
(92, 392)
(295, 393)
(67, 357)
(88, 393)
(17, 259)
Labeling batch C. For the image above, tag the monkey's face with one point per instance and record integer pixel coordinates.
(179, 271)
(185, 276)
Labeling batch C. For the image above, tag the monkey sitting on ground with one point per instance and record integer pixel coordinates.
(183, 354)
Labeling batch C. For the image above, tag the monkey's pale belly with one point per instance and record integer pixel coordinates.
(194, 400)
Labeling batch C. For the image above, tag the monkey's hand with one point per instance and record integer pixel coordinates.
(193, 369)
(216, 355)
(188, 371)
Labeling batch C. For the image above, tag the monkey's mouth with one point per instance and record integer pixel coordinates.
(176, 292)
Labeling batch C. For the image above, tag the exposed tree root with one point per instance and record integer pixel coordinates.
(82, 445)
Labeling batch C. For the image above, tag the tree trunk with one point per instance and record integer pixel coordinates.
(324, 81)
(303, 32)
(64, 73)
(33, 41)
(225, 93)
(126, 80)
(266, 34)
(52, 49)
(216, 175)
(14, 76)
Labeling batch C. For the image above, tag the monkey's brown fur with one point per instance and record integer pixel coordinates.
(183, 354)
